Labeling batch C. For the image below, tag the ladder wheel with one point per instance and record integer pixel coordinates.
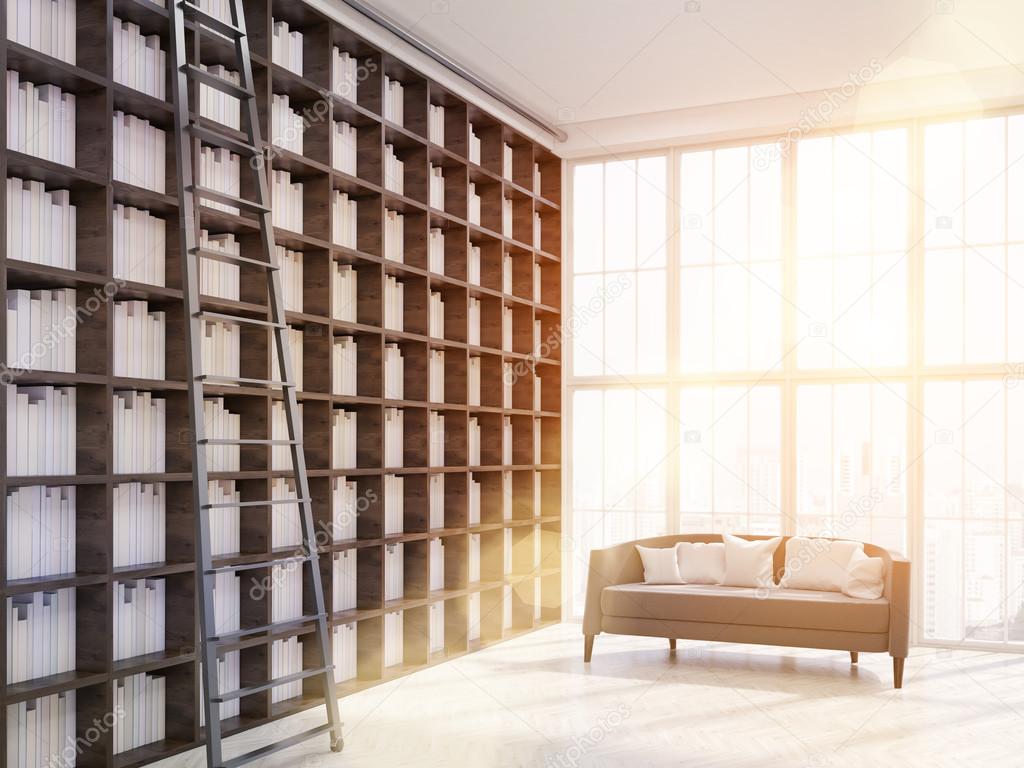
(337, 744)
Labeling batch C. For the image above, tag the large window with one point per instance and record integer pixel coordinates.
(827, 340)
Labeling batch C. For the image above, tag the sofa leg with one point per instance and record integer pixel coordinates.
(897, 672)
(671, 643)
(854, 657)
(588, 647)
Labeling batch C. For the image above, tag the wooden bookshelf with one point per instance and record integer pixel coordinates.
(534, 591)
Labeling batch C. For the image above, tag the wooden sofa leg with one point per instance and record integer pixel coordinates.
(897, 672)
(588, 647)
(671, 643)
(854, 657)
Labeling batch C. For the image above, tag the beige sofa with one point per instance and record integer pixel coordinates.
(619, 603)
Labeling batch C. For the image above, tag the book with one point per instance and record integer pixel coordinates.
(41, 224)
(139, 62)
(435, 124)
(47, 26)
(394, 504)
(140, 154)
(344, 220)
(41, 120)
(344, 436)
(286, 125)
(286, 47)
(344, 74)
(344, 149)
(287, 197)
(345, 293)
(344, 366)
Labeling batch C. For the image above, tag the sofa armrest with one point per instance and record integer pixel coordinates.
(897, 590)
(620, 564)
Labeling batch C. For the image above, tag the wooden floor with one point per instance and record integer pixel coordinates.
(532, 702)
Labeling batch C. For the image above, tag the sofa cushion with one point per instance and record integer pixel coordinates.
(714, 603)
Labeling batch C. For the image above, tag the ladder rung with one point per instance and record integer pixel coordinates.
(265, 503)
(275, 747)
(208, 378)
(293, 678)
(245, 441)
(214, 81)
(212, 22)
(221, 256)
(205, 193)
(281, 626)
(258, 565)
(240, 319)
(218, 139)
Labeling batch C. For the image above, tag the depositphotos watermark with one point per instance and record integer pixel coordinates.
(571, 756)
(68, 755)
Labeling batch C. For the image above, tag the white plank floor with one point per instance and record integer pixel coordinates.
(532, 702)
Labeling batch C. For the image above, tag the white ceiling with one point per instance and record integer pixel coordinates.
(581, 61)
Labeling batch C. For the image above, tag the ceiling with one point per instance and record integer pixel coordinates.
(579, 61)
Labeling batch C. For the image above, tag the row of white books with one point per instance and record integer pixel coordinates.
(345, 366)
(40, 531)
(436, 190)
(344, 74)
(506, 161)
(394, 171)
(344, 439)
(345, 652)
(473, 442)
(473, 381)
(219, 277)
(290, 263)
(436, 627)
(344, 220)
(435, 429)
(435, 250)
(140, 339)
(435, 315)
(225, 523)
(506, 440)
(286, 594)
(394, 235)
(344, 580)
(394, 373)
(228, 679)
(138, 60)
(538, 282)
(140, 524)
(345, 150)
(506, 273)
(506, 496)
(345, 508)
(41, 634)
(216, 105)
(345, 301)
(394, 304)
(537, 390)
(394, 635)
(220, 170)
(506, 217)
(474, 500)
(140, 608)
(140, 153)
(286, 125)
(394, 101)
(40, 120)
(41, 224)
(538, 335)
(285, 524)
(286, 47)
(394, 437)
(143, 700)
(435, 376)
(507, 379)
(537, 229)
(140, 245)
(221, 424)
(41, 328)
(473, 214)
(41, 732)
(473, 617)
(41, 430)
(47, 26)
(226, 602)
(221, 348)
(435, 124)
(436, 564)
(435, 500)
(506, 328)
(473, 322)
(139, 432)
(295, 357)
(394, 505)
(285, 660)
(473, 265)
(474, 558)
(394, 572)
(474, 146)
(281, 455)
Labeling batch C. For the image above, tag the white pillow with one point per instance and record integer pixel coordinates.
(865, 577)
(818, 563)
(660, 565)
(701, 563)
(749, 563)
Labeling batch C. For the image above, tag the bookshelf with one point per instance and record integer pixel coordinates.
(498, 513)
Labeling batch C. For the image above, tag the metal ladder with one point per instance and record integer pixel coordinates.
(251, 152)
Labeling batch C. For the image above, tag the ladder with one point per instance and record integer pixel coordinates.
(187, 134)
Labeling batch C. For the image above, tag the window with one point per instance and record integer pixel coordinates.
(824, 341)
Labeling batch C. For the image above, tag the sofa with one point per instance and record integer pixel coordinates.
(618, 602)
